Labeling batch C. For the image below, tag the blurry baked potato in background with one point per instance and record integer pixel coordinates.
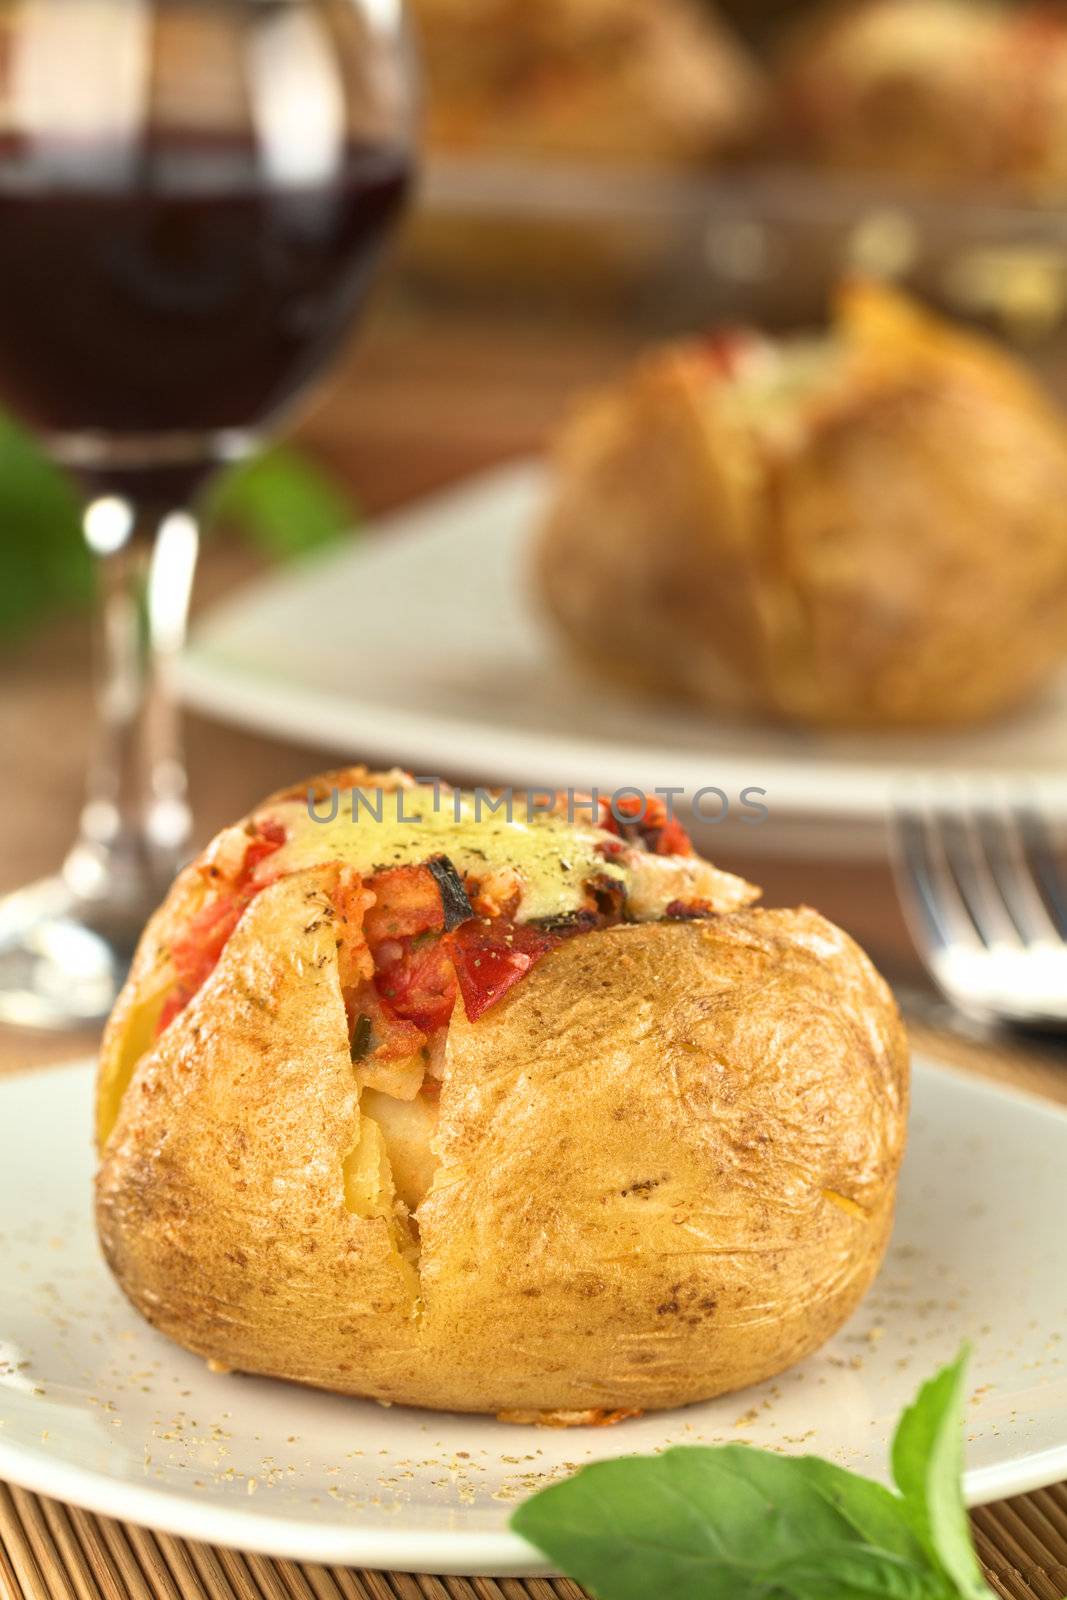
(865, 529)
(675, 157)
(535, 1117)
(636, 82)
(960, 94)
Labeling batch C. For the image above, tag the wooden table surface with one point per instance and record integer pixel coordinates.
(417, 404)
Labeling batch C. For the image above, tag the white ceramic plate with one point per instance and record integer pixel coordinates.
(98, 1410)
(425, 647)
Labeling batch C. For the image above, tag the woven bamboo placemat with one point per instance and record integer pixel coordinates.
(53, 1552)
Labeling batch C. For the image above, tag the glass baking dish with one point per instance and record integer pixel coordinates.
(759, 242)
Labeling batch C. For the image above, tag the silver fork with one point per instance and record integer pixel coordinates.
(986, 902)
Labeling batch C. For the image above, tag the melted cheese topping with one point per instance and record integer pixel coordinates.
(552, 856)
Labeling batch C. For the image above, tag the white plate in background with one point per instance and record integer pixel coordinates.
(98, 1410)
(422, 646)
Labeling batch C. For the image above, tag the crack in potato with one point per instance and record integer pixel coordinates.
(407, 1128)
(390, 1168)
(371, 1190)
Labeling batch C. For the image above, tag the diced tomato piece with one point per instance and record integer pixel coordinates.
(420, 987)
(632, 807)
(195, 955)
(265, 842)
(670, 839)
(659, 832)
(491, 957)
(407, 902)
(399, 1040)
(351, 900)
(389, 1037)
(486, 974)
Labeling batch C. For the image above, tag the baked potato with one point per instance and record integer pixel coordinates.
(531, 1115)
(625, 81)
(865, 529)
(957, 94)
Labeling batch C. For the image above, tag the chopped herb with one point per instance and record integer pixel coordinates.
(362, 1037)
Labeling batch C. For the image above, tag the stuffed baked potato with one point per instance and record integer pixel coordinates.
(533, 1116)
(959, 94)
(650, 82)
(866, 529)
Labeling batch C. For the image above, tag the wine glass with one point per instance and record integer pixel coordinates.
(193, 194)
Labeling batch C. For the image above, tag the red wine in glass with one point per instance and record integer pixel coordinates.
(185, 295)
(193, 196)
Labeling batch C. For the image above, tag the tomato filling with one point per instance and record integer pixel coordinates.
(490, 958)
(196, 953)
(411, 940)
(421, 965)
(648, 821)
(416, 981)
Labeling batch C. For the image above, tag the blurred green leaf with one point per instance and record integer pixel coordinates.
(279, 500)
(287, 505)
(44, 564)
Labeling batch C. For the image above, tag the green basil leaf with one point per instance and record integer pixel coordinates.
(873, 1512)
(928, 1469)
(732, 1523)
(283, 502)
(858, 1574)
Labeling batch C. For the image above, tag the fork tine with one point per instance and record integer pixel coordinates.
(1039, 852)
(935, 910)
(1000, 832)
(968, 882)
(968, 862)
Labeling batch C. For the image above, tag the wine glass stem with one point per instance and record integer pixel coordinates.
(135, 825)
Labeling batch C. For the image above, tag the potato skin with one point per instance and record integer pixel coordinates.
(930, 92)
(901, 563)
(220, 1200)
(667, 1168)
(962, 96)
(661, 1234)
(646, 82)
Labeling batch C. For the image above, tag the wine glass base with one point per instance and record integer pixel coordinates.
(56, 970)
